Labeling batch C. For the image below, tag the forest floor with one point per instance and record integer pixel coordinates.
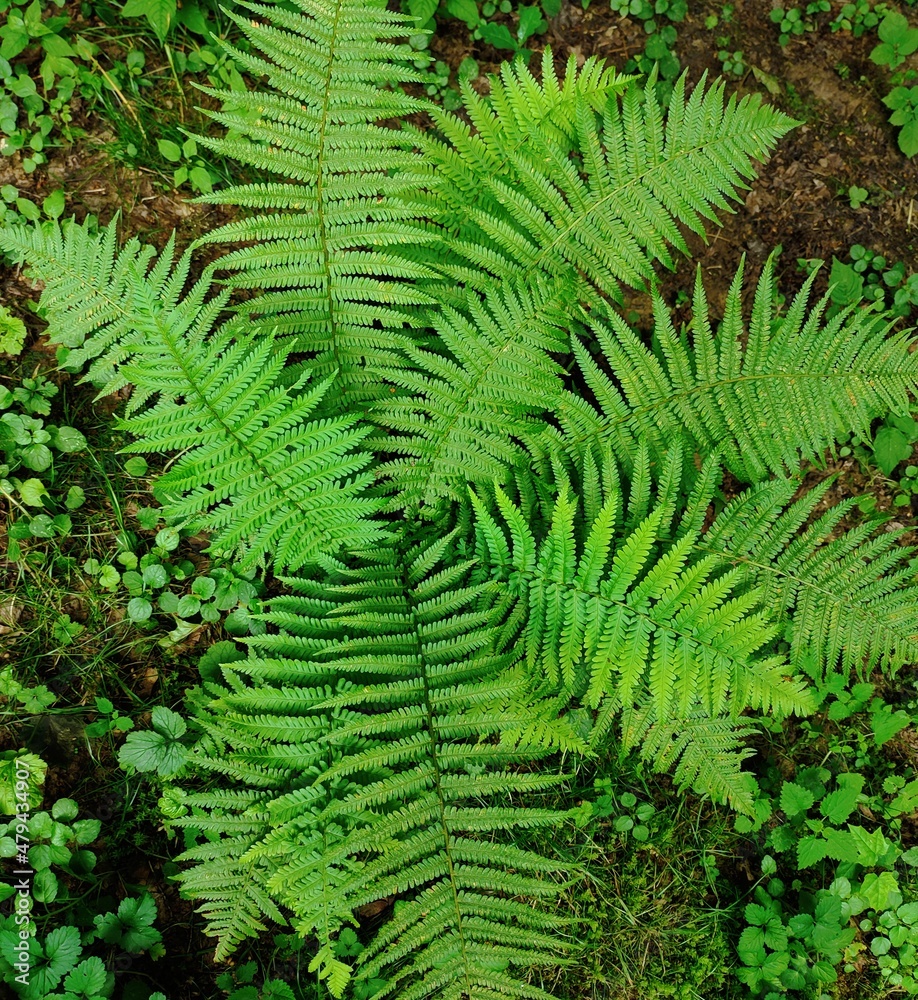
(666, 926)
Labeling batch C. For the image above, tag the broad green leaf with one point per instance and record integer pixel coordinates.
(795, 798)
(160, 13)
(837, 806)
(890, 447)
(881, 891)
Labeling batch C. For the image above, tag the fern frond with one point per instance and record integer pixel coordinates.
(255, 471)
(846, 599)
(322, 250)
(633, 613)
(235, 893)
(469, 407)
(704, 754)
(763, 395)
(372, 732)
(552, 178)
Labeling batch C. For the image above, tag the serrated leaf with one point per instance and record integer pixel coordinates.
(88, 978)
(810, 851)
(837, 806)
(795, 799)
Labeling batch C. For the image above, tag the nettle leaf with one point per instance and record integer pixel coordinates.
(837, 806)
(795, 798)
(811, 850)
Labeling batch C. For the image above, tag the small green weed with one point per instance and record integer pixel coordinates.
(158, 749)
(795, 21)
(239, 983)
(858, 17)
(28, 443)
(732, 63)
(868, 277)
(16, 209)
(660, 48)
(904, 104)
(69, 926)
(799, 934)
(897, 40)
(724, 17)
(191, 168)
(857, 196)
(487, 21)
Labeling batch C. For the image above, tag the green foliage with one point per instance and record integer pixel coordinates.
(296, 480)
(111, 720)
(12, 332)
(27, 443)
(659, 55)
(794, 21)
(160, 750)
(857, 196)
(858, 17)
(66, 919)
(904, 104)
(409, 786)
(12, 761)
(897, 40)
(32, 699)
(795, 941)
(481, 484)
(504, 24)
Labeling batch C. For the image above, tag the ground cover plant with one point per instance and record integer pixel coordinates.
(499, 549)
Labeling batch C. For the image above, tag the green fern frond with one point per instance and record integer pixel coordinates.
(613, 614)
(706, 754)
(846, 599)
(235, 895)
(372, 731)
(632, 612)
(255, 471)
(469, 407)
(322, 250)
(763, 394)
(552, 178)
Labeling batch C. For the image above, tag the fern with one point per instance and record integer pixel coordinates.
(255, 471)
(367, 725)
(321, 252)
(807, 380)
(470, 409)
(846, 598)
(764, 395)
(480, 482)
(585, 175)
(631, 615)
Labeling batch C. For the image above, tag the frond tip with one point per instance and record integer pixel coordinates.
(764, 393)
